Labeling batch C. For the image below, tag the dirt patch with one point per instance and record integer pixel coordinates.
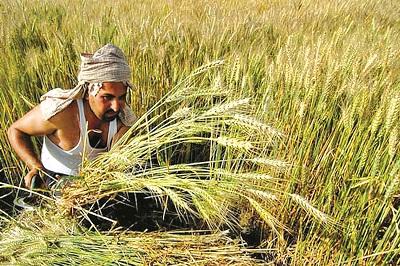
(136, 212)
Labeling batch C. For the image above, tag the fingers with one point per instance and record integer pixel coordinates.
(29, 178)
(35, 179)
(39, 178)
(27, 181)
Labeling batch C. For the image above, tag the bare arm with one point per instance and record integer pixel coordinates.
(19, 135)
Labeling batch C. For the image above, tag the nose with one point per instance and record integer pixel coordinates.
(115, 106)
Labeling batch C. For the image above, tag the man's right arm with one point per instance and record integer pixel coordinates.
(19, 135)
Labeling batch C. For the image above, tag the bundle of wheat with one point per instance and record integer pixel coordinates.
(45, 237)
(227, 169)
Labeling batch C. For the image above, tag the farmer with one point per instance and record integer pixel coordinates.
(83, 121)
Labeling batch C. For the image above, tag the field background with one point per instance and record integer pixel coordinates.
(325, 73)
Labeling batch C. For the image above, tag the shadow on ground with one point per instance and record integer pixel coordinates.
(136, 212)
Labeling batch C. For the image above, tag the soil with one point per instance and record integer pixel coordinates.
(136, 212)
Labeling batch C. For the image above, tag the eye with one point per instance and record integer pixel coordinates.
(107, 97)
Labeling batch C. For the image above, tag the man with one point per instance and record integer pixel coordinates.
(83, 121)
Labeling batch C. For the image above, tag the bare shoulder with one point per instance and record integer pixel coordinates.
(33, 123)
(65, 117)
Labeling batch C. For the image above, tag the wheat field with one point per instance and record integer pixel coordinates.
(322, 79)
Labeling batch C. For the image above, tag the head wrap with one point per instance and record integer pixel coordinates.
(108, 64)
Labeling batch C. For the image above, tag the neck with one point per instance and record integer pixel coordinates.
(93, 121)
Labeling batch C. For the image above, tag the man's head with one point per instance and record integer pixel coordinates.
(107, 72)
(107, 99)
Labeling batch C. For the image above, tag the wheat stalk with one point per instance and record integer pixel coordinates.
(226, 107)
(376, 121)
(263, 194)
(267, 217)
(317, 214)
(234, 143)
(270, 162)
(393, 141)
(181, 113)
(252, 122)
(393, 112)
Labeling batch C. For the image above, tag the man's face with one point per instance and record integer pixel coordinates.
(109, 101)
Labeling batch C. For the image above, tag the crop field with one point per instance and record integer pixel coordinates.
(268, 131)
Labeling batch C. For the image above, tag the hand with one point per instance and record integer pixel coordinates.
(29, 178)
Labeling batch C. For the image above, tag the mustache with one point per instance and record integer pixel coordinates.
(111, 112)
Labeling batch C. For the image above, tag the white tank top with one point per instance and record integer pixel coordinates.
(68, 162)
